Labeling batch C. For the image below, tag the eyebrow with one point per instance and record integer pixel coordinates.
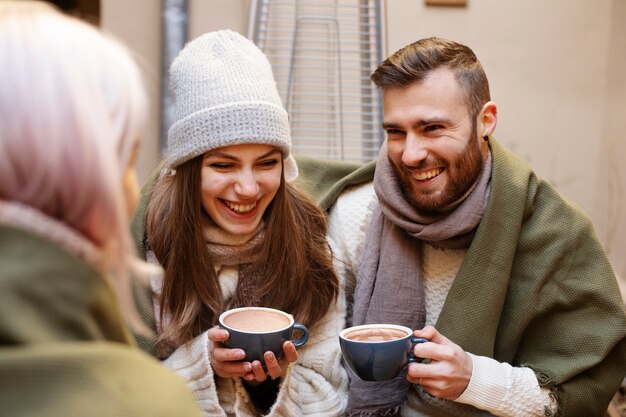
(423, 122)
(234, 158)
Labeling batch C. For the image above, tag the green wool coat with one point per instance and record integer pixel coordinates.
(535, 288)
(65, 349)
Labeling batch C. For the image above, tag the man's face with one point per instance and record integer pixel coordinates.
(432, 142)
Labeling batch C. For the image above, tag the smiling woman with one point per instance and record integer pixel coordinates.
(238, 183)
(230, 230)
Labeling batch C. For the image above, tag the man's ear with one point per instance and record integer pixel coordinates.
(487, 119)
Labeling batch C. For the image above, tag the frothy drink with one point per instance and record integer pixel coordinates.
(256, 321)
(375, 334)
(377, 352)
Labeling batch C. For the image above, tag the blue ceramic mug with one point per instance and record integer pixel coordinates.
(377, 352)
(257, 330)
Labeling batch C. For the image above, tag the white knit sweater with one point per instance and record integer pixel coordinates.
(496, 387)
(315, 385)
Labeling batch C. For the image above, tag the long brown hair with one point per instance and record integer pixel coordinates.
(295, 256)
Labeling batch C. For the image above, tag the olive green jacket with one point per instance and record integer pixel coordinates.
(535, 288)
(64, 348)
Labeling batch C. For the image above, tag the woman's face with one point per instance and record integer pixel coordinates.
(238, 183)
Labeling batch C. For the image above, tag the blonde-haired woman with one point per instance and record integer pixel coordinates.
(71, 108)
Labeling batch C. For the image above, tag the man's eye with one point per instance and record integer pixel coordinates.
(432, 128)
(394, 132)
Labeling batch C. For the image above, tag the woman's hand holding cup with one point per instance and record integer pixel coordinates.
(275, 368)
(255, 343)
(227, 363)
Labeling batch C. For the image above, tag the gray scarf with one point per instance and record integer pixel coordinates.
(390, 284)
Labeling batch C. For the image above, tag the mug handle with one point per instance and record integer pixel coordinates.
(415, 340)
(305, 335)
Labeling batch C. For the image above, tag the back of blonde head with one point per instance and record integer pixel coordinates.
(71, 107)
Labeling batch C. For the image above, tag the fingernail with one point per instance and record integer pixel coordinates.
(269, 357)
(247, 367)
(240, 354)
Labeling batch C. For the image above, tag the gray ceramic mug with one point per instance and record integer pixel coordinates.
(377, 352)
(257, 330)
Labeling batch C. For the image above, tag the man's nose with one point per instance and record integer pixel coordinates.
(415, 150)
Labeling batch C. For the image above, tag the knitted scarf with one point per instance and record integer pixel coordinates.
(240, 251)
(389, 283)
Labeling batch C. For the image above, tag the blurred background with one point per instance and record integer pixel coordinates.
(556, 71)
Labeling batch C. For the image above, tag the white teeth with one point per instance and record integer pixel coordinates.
(240, 208)
(421, 176)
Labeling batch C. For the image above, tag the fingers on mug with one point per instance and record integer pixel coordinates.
(412, 358)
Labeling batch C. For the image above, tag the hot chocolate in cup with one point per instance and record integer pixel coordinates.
(257, 330)
(375, 334)
(377, 352)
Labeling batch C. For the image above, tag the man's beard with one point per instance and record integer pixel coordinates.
(462, 174)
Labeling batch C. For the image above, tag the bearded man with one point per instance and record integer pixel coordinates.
(459, 239)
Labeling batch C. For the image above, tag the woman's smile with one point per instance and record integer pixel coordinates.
(241, 208)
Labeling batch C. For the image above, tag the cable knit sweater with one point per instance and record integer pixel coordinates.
(497, 387)
(315, 385)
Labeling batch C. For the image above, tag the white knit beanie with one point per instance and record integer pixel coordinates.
(225, 94)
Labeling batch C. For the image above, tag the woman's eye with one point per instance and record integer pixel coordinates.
(269, 163)
(220, 165)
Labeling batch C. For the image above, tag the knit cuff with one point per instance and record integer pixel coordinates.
(506, 391)
(488, 385)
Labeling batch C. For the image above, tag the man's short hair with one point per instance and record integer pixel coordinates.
(413, 62)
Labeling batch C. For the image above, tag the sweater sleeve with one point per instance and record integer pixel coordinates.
(191, 361)
(506, 391)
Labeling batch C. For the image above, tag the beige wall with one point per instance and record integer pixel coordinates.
(137, 23)
(611, 216)
(209, 15)
(556, 70)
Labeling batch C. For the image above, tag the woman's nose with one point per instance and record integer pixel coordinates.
(246, 184)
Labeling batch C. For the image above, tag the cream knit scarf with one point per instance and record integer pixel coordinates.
(389, 283)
